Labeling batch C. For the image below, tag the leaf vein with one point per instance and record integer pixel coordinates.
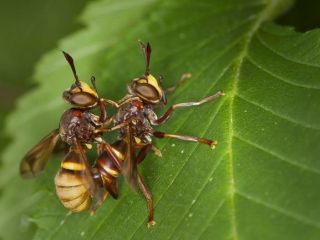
(222, 202)
(206, 41)
(197, 195)
(261, 17)
(276, 114)
(266, 45)
(298, 217)
(278, 156)
(263, 68)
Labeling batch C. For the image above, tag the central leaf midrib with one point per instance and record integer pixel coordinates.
(262, 16)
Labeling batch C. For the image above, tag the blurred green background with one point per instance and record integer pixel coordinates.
(29, 29)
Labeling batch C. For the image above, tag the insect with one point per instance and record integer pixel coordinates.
(74, 182)
(135, 119)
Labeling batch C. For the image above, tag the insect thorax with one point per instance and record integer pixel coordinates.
(77, 124)
(137, 113)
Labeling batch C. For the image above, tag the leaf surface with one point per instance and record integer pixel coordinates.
(261, 181)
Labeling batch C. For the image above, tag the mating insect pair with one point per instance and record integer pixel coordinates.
(80, 186)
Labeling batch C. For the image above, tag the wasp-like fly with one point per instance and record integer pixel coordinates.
(75, 185)
(135, 119)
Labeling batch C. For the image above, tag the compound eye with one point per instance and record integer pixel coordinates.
(148, 92)
(83, 100)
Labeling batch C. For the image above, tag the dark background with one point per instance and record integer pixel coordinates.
(28, 30)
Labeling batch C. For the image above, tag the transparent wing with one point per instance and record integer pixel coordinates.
(129, 169)
(78, 162)
(35, 160)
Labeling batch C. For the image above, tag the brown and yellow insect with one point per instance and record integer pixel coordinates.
(75, 185)
(135, 119)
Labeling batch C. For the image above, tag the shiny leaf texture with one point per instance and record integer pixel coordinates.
(262, 180)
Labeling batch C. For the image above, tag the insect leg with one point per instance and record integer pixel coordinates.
(209, 142)
(143, 153)
(153, 148)
(120, 125)
(174, 87)
(169, 112)
(126, 100)
(148, 197)
(156, 151)
(92, 209)
(103, 112)
(110, 102)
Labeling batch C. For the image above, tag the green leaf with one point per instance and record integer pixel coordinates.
(260, 182)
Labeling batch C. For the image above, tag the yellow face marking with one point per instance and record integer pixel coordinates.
(73, 166)
(152, 81)
(85, 88)
(142, 80)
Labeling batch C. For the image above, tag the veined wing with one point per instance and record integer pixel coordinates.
(35, 160)
(129, 168)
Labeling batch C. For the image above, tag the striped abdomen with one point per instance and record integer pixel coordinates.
(72, 183)
(108, 174)
(107, 171)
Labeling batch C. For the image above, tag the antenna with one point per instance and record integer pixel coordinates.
(147, 53)
(93, 81)
(71, 63)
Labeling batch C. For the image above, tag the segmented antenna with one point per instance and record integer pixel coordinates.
(71, 63)
(93, 81)
(147, 53)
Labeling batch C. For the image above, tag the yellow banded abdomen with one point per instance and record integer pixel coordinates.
(72, 190)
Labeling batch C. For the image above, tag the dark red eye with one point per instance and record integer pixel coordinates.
(83, 100)
(147, 91)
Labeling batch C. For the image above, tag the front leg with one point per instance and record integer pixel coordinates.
(152, 148)
(104, 128)
(102, 108)
(143, 153)
(103, 112)
(110, 102)
(169, 112)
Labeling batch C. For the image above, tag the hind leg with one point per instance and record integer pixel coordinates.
(147, 195)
